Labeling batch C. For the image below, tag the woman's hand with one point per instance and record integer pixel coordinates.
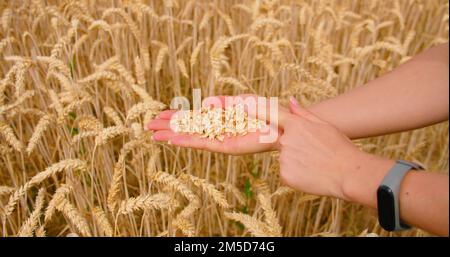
(236, 145)
(315, 157)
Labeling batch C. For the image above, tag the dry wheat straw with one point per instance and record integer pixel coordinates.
(4, 190)
(38, 133)
(205, 19)
(176, 184)
(210, 190)
(57, 63)
(195, 53)
(151, 164)
(128, 20)
(74, 216)
(77, 138)
(146, 202)
(139, 108)
(270, 216)
(143, 94)
(235, 191)
(68, 164)
(113, 115)
(182, 67)
(123, 72)
(7, 132)
(160, 58)
(31, 223)
(114, 189)
(254, 226)
(98, 76)
(90, 123)
(58, 196)
(282, 191)
(139, 71)
(64, 81)
(40, 232)
(110, 133)
(103, 222)
(19, 101)
(185, 226)
(232, 81)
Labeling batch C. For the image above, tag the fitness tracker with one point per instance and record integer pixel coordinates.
(388, 196)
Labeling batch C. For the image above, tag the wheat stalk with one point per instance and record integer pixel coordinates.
(281, 191)
(40, 232)
(195, 53)
(146, 202)
(139, 70)
(210, 190)
(177, 185)
(114, 189)
(19, 101)
(160, 58)
(59, 195)
(41, 127)
(4, 190)
(113, 115)
(269, 214)
(69, 164)
(30, 224)
(139, 108)
(7, 132)
(109, 133)
(254, 226)
(74, 216)
(182, 67)
(235, 191)
(102, 222)
(185, 226)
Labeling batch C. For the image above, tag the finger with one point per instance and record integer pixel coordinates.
(163, 135)
(166, 115)
(159, 124)
(284, 117)
(295, 108)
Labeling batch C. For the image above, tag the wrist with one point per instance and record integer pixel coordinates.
(363, 177)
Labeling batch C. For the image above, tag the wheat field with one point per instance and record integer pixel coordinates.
(80, 79)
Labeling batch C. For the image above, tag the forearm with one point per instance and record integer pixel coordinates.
(412, 96)
(424, 195)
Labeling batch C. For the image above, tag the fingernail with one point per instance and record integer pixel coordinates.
(168, 142)
(294, 101)
(152, 138)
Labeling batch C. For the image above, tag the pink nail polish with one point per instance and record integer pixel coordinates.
(294, 101)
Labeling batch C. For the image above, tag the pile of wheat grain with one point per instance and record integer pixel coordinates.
(79, 79)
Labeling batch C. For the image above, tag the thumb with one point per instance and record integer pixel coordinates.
(294, 107)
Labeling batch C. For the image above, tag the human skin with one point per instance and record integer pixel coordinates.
(317, 156)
